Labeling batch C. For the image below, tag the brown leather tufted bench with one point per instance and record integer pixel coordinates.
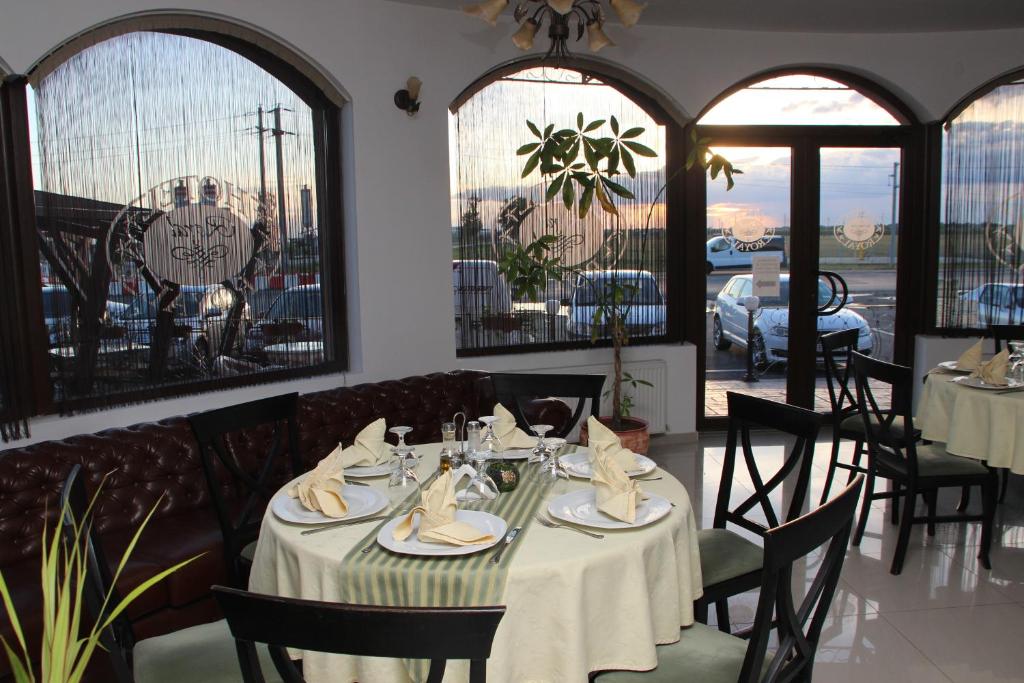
(147, 461)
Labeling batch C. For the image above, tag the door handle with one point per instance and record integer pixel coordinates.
(840, 293)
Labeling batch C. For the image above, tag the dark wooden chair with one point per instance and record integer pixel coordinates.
(434, 633)
(200, 653)
(240, 517)
(837, 349)
(1002, 334)
(731, 564)
(913, 468)
(514, 390)
(704, 654)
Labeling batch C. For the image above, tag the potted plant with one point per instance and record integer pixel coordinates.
(581, 165)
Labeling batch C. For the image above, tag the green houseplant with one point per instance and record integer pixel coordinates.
(68, 642)
(581, 165)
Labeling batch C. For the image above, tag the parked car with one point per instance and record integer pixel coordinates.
(57, 314)
(201, 316)
(998, 303)
(646, 310)
(722, 252)
(771, 323)
(479, 289)
(295, 316)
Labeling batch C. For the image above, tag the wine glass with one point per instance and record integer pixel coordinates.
(481, 487)
(539, 453)
(403, 480)
(1016, 361)
(491, 444)
(400, 432)
(552, 465)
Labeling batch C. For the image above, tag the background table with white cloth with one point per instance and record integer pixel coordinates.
(574, 604)
(975, 423)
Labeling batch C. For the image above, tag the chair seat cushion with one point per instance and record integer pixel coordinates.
(726, 555)
(852, 427)
(200, 653)
(934, 461)
(702, 654)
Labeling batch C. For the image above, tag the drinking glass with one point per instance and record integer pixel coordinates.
(401, 431)
(448, 441)
(404, 480)
(481, 487)
(1016, 361)
(490, 443)
(551, 465)
(539, 453)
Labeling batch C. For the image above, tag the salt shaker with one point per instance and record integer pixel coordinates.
(472, 437)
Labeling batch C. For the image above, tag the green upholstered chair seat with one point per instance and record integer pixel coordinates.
(204, 653)
(854, 424)
(934, 461)
(703, 654)
(726, 555)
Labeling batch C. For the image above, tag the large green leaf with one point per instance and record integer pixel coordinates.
(618, 189)
(615, 125)
(632, 133)
(534, 129)
(568, 194)
(531, 164)
(642, 150)
(554, 187)
(527, 148)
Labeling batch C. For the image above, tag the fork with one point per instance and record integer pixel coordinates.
(544, 521)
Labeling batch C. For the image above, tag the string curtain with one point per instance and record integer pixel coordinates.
(981, 251)
(493, 208)
(176, 199)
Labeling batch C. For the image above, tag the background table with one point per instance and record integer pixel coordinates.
(975, 423)
(575, 604)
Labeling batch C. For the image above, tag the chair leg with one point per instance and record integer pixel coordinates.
(894, 512)
(932, 499)
(722, 612)
(865, 508)
(988, 505)
(965, 499)
(858, 450)
(1004, 474)
(700, 610)
(833, 459)
(905, 523)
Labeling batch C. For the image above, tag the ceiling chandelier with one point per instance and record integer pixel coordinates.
(587, 15)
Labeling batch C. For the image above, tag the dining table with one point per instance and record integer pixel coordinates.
(982, 423)
(574, 603)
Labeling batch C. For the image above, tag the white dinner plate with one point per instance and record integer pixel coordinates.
(367, 471)
(580, 507)
(976, 383)
(578, 465)
(363, 501)
(484, 521)
(952, 366)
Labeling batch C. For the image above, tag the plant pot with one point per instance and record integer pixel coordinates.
(633, 435)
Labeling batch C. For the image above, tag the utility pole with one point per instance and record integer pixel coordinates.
(260, 130)
(282, 220)
(894, 233)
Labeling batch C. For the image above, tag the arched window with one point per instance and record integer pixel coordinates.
(186, 236)
(495, 207)
(981, 247)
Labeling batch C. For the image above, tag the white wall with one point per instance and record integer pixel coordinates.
(398, 240)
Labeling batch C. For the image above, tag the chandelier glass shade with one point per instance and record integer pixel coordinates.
(563, 17)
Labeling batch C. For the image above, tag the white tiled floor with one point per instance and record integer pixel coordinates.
(945, 618)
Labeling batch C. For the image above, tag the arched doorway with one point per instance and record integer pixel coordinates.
(825, 156)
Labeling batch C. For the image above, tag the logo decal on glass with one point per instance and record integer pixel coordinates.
(858, 232)
(749, 231)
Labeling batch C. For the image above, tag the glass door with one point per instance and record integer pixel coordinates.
(753, 219)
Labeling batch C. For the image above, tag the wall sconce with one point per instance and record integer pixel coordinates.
(408, 100)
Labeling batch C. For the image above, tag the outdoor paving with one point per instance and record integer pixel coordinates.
(771, 388)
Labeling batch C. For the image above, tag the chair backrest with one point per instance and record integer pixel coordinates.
(240, 524)
(118, 639)
(514, 390)
(1006, 333)
(837, 349)
(798, 624)
(888, 425)
(434, 633)
(748, 413)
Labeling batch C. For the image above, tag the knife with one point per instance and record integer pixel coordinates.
(508, 541)
(348, 522)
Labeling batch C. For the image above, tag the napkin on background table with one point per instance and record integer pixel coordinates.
(605, 441)
(437, 518)
(617, 495)
(994, 371)
(508, 434)
(369, 448)
(971, 358)
(320, 489)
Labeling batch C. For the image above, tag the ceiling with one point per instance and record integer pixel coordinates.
(834, 16)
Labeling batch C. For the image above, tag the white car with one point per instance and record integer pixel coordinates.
(999, 303)
(771, 322)
(722, 252)
(646, 305)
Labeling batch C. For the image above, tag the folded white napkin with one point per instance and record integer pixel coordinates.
(437, 518)
(617, 495)
(369, 448)
(605, 441)
(320, 489)
(994, 371)
(971, 358)
(508, 433)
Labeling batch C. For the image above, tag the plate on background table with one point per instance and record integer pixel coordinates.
(953, 366)
(578, 465)
(484, 521)
(363, 501)
(976, 383)
(368, 471)
(580, 507)
(513, 454)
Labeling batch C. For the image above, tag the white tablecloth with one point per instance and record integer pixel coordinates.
(575, 604)
(975, 423)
